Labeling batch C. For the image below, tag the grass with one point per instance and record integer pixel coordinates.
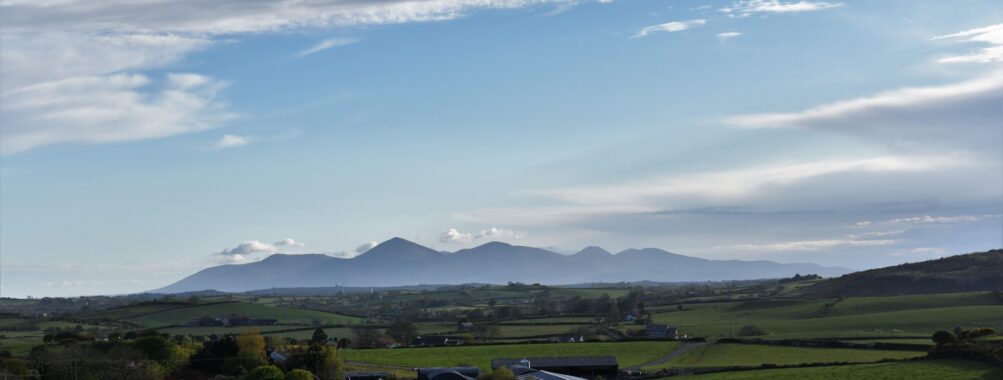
(724, 355)
(863, 316)
(628, 353)
(912, 370)
(180, 316)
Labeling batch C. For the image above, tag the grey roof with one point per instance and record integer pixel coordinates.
(523, 373)
(459, 373)
(571, 361)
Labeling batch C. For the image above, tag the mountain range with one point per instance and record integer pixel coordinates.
(398, 262)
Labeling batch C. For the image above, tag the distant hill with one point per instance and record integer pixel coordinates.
(398, 262)
(981, 271)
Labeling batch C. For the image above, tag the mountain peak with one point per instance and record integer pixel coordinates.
(594, 251)
(397, 247)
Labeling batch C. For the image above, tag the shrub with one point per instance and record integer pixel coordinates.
(299, 374)
(265, 372)
(942, 337)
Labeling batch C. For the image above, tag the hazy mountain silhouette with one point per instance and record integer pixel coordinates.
(398, 262)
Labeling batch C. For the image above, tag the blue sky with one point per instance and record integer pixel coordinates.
(143, 141)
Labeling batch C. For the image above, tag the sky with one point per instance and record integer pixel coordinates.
(141, 141)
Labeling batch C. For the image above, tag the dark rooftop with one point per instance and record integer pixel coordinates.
(547, 362)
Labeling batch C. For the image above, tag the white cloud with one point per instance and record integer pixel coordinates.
(674, 26)
(326, 44)
(108, 108)
(288, 242)
(992, 35)
(75, 72)
(927, 219)
(231, 141)
(727, 35)
(747, 7)
(867, 235)
(251, 249)
(808, 245)
(739, 183)
(364, 247)
(453, 235)
(961, 115)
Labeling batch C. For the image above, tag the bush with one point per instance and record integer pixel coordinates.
(751, 330)
(500, 373)
(265, 372)
(299, 374)
(942, 337)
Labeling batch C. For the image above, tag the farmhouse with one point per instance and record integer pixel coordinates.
(654, 331)
(576, 366)
(456, 373)
(526, 373)
(465, 326)
(431, 341)
(367, 375)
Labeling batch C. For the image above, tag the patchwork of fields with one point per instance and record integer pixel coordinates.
(912, 370)
(864, 316)
(627, 353)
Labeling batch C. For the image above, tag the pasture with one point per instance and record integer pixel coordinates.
(912, 370)
(182, 315)
(627, 353)
(726, 355)
(864, 316)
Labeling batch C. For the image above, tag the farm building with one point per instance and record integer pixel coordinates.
(526, 373)
(367, 375)
(431, 341)
(654, 331)
(465, 326)
(577, 366)
(457, 373)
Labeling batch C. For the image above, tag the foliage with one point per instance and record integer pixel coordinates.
(942, 337)
(299, 374)
(913, 370)
(265, 372)
(500, 373)
(319, 336)
(402, 331)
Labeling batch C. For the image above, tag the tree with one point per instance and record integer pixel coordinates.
(265, 372)
(319, 336)
(333, 365)
(942, 337)
(485, 332)
(500, 373)
(299, 374)
(364, 336)
(402, 330)
(155, 347)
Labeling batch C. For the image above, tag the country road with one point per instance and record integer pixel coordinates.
(682, 350)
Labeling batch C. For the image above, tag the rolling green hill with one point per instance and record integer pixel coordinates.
(962, 273)
(913, 370)
(152, 316)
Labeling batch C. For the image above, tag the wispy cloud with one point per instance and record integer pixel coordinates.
(808, 245)
(669, 27)
(75, 72)
(928, 219)
(959, 115)
(992, 35)
(727, 35)
(231, 141)
(327, 44)
(747, 7)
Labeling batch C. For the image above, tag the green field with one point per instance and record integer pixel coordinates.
(628, 353)
(912, 370)
(864, 316)
(181, 316)
(725, 355)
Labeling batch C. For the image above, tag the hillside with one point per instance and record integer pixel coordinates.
(962, 273)
(398, 262)
(154, 315)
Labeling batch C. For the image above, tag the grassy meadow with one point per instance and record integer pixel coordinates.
(912, 370)
(627, 353)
